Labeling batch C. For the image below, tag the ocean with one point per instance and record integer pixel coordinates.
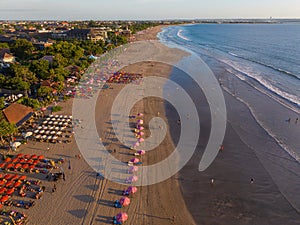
(265, 57)
(267, 53)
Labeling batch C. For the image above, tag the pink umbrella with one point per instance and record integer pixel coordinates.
(140, 114)
(140, 121)
(141, 139)
(131, 189)
(136, 144)
(121, 217)
(133, 169)
(142, 152)
(132, 179)
(135, 160)
(141, 133)
(141, 128)
(124, 201)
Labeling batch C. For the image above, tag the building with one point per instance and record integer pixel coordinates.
(93, 34)
(17, 114)
(5, 56)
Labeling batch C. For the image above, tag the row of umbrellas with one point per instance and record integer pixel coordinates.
(125, 201)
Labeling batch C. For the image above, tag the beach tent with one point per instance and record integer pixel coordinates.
(120, 217)
(124, 201)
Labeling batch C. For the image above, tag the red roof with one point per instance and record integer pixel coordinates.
(17, 113)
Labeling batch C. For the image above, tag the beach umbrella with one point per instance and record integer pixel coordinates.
(124, 201)
(136, 144)
(140, 114)
(22, 160)
(31, 167)
(141, 152)
(10, 191)
(7, 159)
(120, 217)
(2, 191)
(36, 131)
(28, 134)
(2, 182)
(15, 160)
(134, 160)
(20, 155)
(131, 189)
(133, 169)
(2, 165)
(34, 156)
(8, 176)
(1, 175)
(4, 198)
(27, 156)
(30, 161)
(132, 179)
(141, 139)
(141, 128)
(11, 165)
(15, 177)
(23, 177)
(141, 133)
(140, 122)
(43, 108)
(18, 165)
(17, 184)
(40, 157)
(25, 166)
(9, 183)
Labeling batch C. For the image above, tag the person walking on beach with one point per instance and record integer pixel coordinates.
(251, 181)
(212, 181)
(54, 188)
(296, 121)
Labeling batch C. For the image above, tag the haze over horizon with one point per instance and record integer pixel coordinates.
(146, 9)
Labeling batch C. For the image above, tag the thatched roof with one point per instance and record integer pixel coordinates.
(17, 113)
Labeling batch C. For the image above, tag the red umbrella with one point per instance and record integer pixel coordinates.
(15, 177)
(121, 217)
(1, 175)
(2, 191)
(17, 184)
(7, 159)
(2, 165)
(22, 160)
(34, 156)
(23, 177)
(31, 166)
(25, 166)
(15, 160)
(8, 176)
(35, 162)
(10, 191)
(9, 183)
(20, 155)
(124, 201)
(9, 166)
(135, 160)
(131, 189)
(18, 165)
(4, 198)
(27, 156)
(2, 182)
(41, 157)
(30, 161)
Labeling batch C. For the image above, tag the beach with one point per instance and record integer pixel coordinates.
(188, 197)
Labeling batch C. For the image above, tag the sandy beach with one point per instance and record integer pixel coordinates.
(188, 197)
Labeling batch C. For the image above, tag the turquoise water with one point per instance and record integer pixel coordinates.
(267, 53)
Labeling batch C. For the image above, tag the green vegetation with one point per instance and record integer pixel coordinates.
(6, 129)
(2, 103)
(31, 102)
(56, 108)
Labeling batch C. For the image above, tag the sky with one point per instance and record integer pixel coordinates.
(146, 9)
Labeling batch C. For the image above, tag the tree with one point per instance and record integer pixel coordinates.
(40, 68)
(2, 103)
(24, 73)
(22, 49)
(4, 45)
(44, 91)
(7, 129)
(17, 83)
(2, 80)
(33, 103)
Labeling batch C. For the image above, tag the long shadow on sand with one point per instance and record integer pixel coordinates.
(79, 213)
(115, 191)
(104, 219)
(84, 198)
(106, 202)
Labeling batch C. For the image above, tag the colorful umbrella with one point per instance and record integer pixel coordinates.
(120, 217)
(133, 169)
(40, 157)
(132, 179)
(141, 152)
(23, 177)
(10, 191)
(141, 133)
(124, 201)
(4, 198)
(2, 191)
(141, 128)
(140, 122)
(25, 166)
(131, 189)
(134, 160)
(27, 156)
(2, 165)
(140, 114)
(7, 159)
(141, 139)
(17, 184)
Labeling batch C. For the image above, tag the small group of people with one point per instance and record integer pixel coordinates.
(289, 120)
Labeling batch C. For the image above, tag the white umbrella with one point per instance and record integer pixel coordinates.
(38, 136)
(45, 122)
(28, 134)
(36, 131)
(56, 116)
(61, 116)
(49, 137)
(47, 132)
(40, 127)
(52, 132)
(54, 137)
(44, 136)
(16, 144)
(50, 115)
(59, 133)
(53, 119)
(56, 128)
(50, 122)
(42, 131)
(60, 123)
(48, 118)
